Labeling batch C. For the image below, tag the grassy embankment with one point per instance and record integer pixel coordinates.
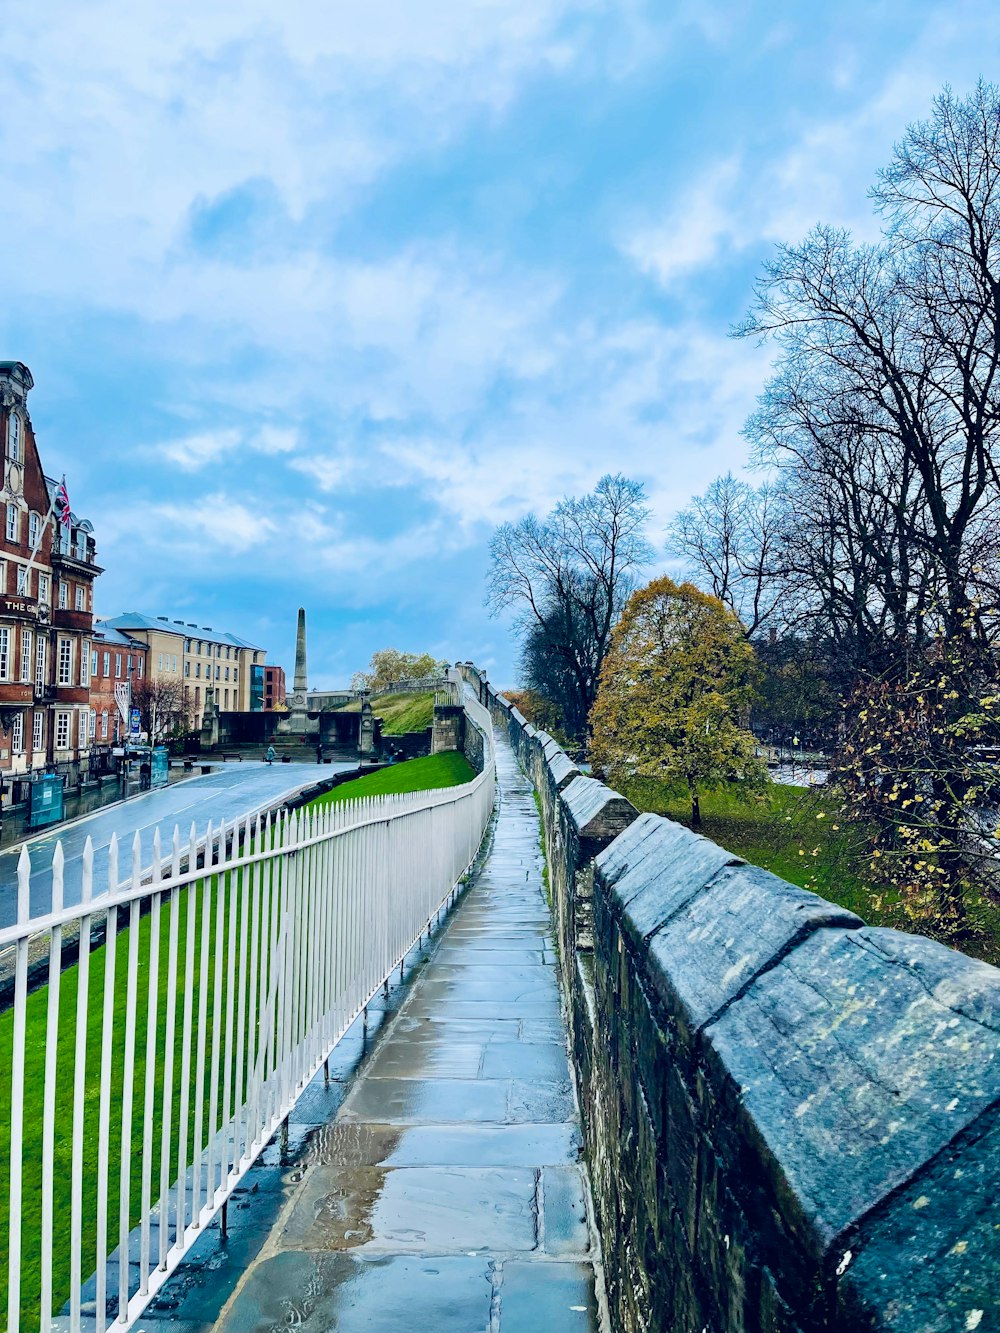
(442, 770)
(449, 769)
(400, 712)
(796, 832)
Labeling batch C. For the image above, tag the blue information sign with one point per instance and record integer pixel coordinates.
(134, 722)
(159, 767)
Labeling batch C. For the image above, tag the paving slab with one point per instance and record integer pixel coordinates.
(439, 1182)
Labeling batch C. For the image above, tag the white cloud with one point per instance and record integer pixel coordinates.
(194, 452)
(698, 225)
(215, 522)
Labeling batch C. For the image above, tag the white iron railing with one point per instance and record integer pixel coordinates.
(142, 1094)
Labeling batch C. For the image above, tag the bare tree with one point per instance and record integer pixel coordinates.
(728, 539)
(883, 423)
(888, 386)
(569, 576)
(163, 707)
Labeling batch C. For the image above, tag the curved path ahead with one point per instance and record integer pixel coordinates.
(434, 1183)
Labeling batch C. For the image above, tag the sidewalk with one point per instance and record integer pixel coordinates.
(444, 1191)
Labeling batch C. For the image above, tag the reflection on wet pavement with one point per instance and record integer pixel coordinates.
(434, 1182)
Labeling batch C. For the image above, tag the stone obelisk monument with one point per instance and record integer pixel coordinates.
(298, 719)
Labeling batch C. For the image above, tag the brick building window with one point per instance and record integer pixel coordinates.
(43, 589)
(104, 725)
(63, 594)
(4, 653)
(12, 523)
(25, 656)
(118, 666)
(62, 729)
(65, 676)
(17, 734)
(14, 438)
(22, 581)
(81, 604)
(40, 660)
(107, 664)
(34, 528)
(93, 663)
(138, 666)
(36, 730)
(84, 664)
(93, 722)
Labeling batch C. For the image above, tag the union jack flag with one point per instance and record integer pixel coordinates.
(62, 506)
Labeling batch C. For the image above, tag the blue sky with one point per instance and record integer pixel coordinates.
(314, 295)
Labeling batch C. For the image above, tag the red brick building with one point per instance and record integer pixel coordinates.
(117, 662)
(47, 573)
(274, 688)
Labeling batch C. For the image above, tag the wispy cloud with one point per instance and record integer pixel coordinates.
(314, 295)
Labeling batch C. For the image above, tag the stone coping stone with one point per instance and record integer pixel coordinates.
(562, 770)
(666, 869)
(529, 731)
(517, 716)
(595, 810)
(743, 921)
(848, 1066)
(612, 862)
(930, 1259)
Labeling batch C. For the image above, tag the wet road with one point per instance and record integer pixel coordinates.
(228, 792)
(435, 1181)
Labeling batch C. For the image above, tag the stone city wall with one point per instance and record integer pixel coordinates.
(792, 1119)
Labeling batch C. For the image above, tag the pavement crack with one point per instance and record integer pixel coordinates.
(496, 1283)
(538, 1211)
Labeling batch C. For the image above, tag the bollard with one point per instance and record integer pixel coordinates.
(225, 1220)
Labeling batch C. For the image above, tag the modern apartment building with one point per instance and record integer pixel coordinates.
(200, 658)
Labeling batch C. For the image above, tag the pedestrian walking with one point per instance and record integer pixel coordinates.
(319, 753)
(269, 757)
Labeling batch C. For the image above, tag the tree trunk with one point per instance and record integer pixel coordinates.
(695, 805)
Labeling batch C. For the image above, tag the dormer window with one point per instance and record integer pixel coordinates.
(14, 438)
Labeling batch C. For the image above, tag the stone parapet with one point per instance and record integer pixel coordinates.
(792, 1119)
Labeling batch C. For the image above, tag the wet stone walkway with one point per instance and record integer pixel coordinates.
(439, 1185)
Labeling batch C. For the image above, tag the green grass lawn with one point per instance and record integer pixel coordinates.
(401, 712)
(443, 770)
(449, 769)
(797, 833)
